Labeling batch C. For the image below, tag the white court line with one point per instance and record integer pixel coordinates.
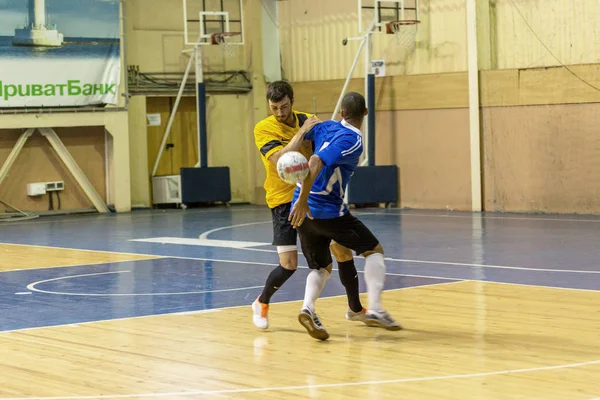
(137, 258)
(205, 234)
(32, 287)
(231, 244)
(320, 386)
(303, 267)
(492, 266)
(83, 250)
(475, 215)
(401, 260)
(185, 313)
(198, 259)
(86, 264)
(217, 260)
(149, 214)
(387, 273)
(247, 246)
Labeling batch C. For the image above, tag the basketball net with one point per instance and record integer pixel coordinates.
(228, 42)
(405, 32)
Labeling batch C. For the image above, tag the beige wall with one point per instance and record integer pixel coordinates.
(553, 85)
(535, 158)
(428, 91)
(114, 121)
(155, 31)
(154, 42)
(156, 39)
(540, 143)
(542, 158)
(138, 144)
(230, 143)
(422, 104)
(38, 162)
(431, 150)
(569, 28)
(312, 32)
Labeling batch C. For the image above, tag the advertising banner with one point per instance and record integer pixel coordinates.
(56, 53)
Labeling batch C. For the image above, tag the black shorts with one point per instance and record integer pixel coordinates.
(283, 232)
(316, 236)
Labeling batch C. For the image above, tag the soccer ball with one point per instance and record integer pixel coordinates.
(292, 167)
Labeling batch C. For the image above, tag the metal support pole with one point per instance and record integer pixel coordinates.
(474, 123)
(371, 120)
(363, 40)
(161, 149)
(368, 95)
(339, 103)
(201, 112)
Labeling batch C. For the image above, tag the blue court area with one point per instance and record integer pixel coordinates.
(219, 257)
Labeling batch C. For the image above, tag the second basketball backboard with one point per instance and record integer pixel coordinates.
(384, 12)
(203, 18)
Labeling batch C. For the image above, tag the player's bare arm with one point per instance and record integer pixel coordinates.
(296, 142)
(300, 209)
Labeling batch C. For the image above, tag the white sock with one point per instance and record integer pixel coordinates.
(315, 282)
(375, 278)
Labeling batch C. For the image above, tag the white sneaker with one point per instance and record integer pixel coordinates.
(360, 316)
(310, 321)
(382, 319)
(259, 314)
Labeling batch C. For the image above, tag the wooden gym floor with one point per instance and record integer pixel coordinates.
(155, 305)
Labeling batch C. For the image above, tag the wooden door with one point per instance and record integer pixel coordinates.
(181, 147)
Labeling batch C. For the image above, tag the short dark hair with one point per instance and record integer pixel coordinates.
(353, 105)
(278, 90)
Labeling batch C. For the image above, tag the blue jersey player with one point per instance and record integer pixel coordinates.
(338, 146)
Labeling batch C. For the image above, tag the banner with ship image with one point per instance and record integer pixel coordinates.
(59, 53)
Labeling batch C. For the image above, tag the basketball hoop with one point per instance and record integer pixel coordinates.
(227, 41)
(405, 32)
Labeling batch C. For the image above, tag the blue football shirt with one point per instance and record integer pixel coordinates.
(339, 145)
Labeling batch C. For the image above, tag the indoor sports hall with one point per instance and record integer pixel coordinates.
(135, 234)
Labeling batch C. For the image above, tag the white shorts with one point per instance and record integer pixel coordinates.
(285, 249)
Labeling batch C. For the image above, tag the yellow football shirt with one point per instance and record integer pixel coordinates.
(271, 136)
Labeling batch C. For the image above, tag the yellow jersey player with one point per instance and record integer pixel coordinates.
(276, 135)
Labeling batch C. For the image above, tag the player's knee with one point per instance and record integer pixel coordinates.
(316, 267)
(340, 253)
(289, 260)
(377, 249)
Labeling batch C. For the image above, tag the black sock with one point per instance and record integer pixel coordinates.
(276, 279)
(349, 278)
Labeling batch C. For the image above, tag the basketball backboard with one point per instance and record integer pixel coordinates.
(385, 11)
(203, 18)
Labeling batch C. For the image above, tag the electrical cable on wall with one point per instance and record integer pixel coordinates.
(50, 202)
(550, 51)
